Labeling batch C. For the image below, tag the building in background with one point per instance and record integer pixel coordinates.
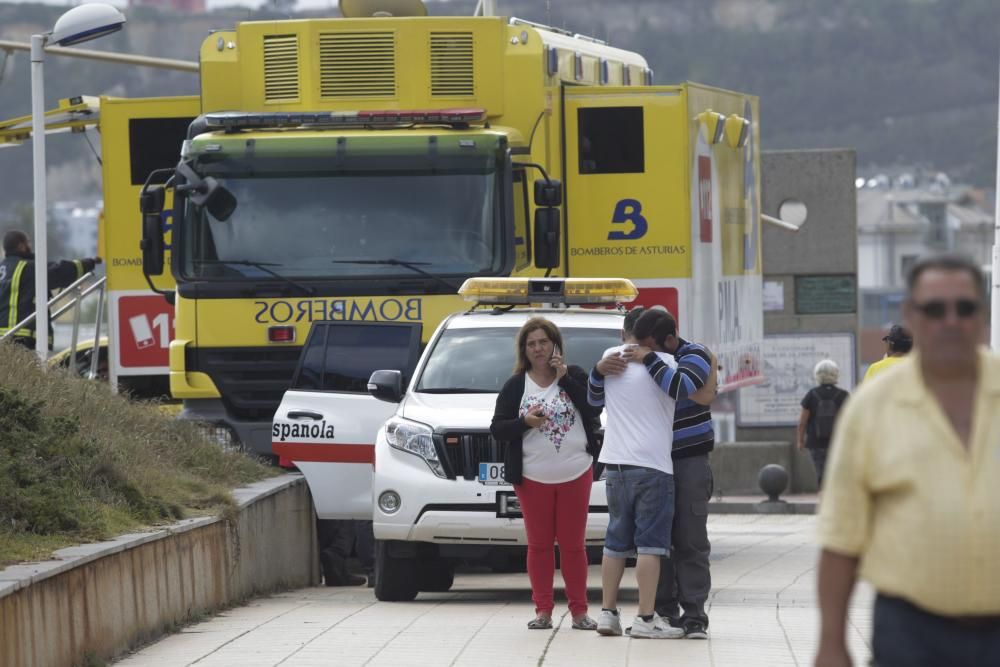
(901, 218)
(76, 224)
(189, 6)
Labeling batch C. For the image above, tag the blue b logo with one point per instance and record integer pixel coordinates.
(167, 224)
(628, 210)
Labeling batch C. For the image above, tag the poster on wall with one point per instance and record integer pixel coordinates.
(788, 374)
(774, 296)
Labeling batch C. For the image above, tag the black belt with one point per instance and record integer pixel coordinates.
(622, 467)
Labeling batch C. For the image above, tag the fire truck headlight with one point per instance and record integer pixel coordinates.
(414, 438)
(389, 502)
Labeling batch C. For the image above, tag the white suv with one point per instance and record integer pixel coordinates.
(438, 490)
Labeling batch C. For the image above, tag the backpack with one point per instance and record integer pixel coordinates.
(825, 417)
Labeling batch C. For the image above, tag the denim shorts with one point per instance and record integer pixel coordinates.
(641, 512)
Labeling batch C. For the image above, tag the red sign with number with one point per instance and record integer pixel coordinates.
(649, 297)
(145, 328)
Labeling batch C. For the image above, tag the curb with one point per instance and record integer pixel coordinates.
(103, 599)
(761, 507)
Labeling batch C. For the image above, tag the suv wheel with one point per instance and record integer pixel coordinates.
(436, 576)
(395, 578)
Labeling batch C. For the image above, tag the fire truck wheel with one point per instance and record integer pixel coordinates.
(395, 578)
(436, 576)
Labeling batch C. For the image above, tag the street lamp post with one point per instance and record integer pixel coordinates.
(80, 24)
(995, 291)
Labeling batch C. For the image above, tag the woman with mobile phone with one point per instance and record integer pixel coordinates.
(550, 429)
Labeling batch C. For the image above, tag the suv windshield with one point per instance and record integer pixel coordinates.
(481, 360)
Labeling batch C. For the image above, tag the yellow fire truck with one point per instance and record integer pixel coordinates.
(361, 168)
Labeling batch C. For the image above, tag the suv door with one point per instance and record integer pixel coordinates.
(327, 422)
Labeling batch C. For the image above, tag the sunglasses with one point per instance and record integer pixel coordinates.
(938, 310)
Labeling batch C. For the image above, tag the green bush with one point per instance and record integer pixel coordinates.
(80, 463)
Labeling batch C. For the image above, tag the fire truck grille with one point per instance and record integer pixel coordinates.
(464, 451)
(252, 380)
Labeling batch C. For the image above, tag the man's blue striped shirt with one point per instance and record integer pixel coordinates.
(693, 432)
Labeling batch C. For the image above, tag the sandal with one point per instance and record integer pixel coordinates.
(584, 622)
(541, 623)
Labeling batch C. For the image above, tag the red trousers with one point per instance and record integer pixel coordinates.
(556, 513)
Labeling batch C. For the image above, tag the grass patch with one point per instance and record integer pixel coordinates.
(80, 464)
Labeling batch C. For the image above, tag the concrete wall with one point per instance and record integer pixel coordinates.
(827, 243)
(735, 466)
(101, 600)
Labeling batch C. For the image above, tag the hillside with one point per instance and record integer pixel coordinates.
(903, 81)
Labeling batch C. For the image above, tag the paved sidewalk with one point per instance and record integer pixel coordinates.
(763, 612)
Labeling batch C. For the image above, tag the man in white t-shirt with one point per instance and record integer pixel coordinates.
(639, 479)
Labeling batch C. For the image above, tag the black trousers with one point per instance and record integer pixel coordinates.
(21, 340)
(344, 537)
(818, 455)
(906, 636)
(685, 578)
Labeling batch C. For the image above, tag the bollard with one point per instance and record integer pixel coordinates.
(773, 480)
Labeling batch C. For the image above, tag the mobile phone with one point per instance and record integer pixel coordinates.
(556, 350)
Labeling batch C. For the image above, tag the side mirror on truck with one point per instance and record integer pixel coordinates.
(386, 386)
(547, 238)
(152, 245)
(548, 192)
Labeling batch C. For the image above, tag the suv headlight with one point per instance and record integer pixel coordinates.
(415, 438)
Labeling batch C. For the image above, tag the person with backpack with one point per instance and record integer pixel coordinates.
(819, 413)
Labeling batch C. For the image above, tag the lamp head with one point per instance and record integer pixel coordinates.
(86, 22)
(737, 131)
(713, 123)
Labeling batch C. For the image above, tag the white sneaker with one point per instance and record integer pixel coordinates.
(609, 624)
(657, 628)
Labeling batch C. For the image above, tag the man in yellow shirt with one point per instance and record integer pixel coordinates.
(912, 496)
(898, 343)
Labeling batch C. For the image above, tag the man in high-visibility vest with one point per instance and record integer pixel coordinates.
(17, 284)
(898, 343)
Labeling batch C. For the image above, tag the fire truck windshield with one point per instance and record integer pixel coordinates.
(343, 224)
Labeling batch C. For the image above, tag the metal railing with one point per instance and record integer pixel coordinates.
(84, 286)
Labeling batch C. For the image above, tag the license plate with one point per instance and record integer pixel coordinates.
(491, 473)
